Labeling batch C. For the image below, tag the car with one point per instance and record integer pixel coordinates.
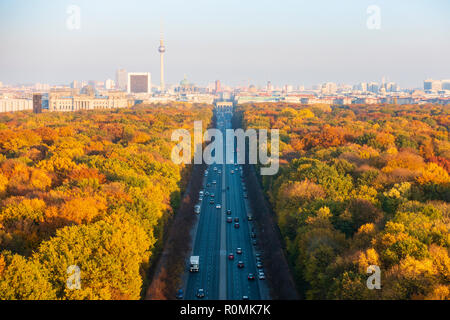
(211, 201)
(246, 195)
(261, 276)
(218, 206)
(239, 251)
(219, 172)
(208, 185)
(228, 212)
(229, 220)
(215, 168)
(258, 255)
(232, 171)
(258, 259)
(251, 276)
(249, 218)
(254, 242)
(240, 264)
(236, 219)
(253, 235)
(244, 297)
(214, 182)
(180, 294)
(236, 226)
(207, 193)
(200, 293)
(259, 265)
(212, 195)
(231, 256)
(200, 198)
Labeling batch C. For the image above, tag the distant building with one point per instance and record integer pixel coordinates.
(88, 102)
(139, 82)
(445, 84)
(37, 103)
(373, 87)
(13, 105)
(121, 79)
(76, 84)
(329, 88)
(218, 86)
(431, 85)
(109, 84)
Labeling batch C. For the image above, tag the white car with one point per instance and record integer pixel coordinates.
(218, 206)
(214, 182)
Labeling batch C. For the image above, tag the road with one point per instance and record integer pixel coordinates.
(215, 238)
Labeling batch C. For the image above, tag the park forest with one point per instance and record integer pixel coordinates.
(361, 186)
(90, 189)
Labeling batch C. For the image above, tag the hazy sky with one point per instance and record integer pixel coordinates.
(236, 41)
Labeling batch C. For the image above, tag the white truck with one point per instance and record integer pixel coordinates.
(194, 264)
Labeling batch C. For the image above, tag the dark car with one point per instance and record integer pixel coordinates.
(240, 264)
(180, 294)
(239, 251)
(237, 226)
(211, 201)
(236, 219)
(253, 235)
(254, 242)
(228, 212)
(200, 293)
(251, 276)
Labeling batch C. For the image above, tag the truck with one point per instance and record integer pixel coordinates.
(194, 264)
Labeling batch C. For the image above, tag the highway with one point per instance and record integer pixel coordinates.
(216, 237)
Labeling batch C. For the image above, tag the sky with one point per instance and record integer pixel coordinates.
(239, 42)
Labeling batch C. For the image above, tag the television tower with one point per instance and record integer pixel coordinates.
(162, 50)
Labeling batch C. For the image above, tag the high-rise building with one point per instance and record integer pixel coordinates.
(1, 84)
(162, 50)
(432, 85)
(269, 86)
(373, 87)
(121, 79)
(75, 84)
(218, 86)
(445, 84)
(329, 88)
(109, 84)
(139, 82)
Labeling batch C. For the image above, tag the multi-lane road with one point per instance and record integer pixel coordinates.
(216, 237)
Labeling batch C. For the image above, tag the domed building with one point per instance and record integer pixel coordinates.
(186, 87)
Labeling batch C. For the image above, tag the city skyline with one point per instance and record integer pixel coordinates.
(298, 43)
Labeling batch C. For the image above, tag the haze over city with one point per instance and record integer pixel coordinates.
(239, 42)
